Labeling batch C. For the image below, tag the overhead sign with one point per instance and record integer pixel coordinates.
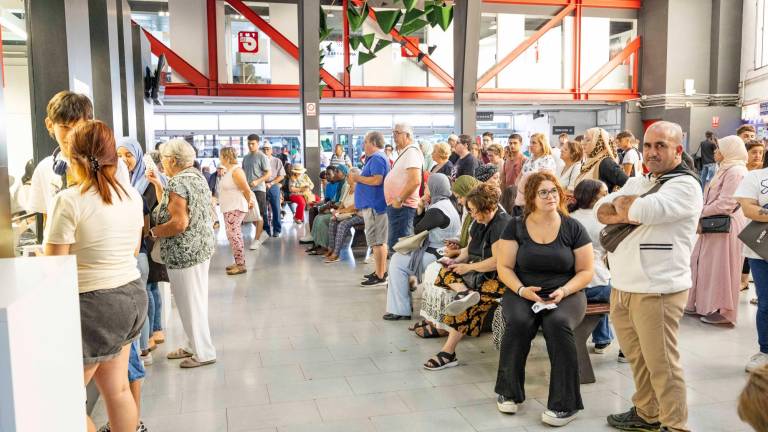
(405, 52)
(484, 116)
(311, 109)
(715, 122)
(248, 42)
(570, 130)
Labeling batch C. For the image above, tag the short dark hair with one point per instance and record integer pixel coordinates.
(624, 134)
(376, 138)
(516, 136)
(579, 138)
(745, 128)
(254, 137)
(66, 107)
(489, 134)
(709, 134)
(466, 141)
(754, 143)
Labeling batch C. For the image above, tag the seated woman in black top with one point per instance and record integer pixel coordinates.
(472, 274)
(601, 160)
(543, 257)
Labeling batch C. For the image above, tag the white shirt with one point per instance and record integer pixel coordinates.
(632, 156)
(546, 162)
(46, 184)
(569, 176)
(754, 186)
(593, 226)
(102, 237)
(559, 163)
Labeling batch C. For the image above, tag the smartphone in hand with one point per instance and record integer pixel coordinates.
(149, 163)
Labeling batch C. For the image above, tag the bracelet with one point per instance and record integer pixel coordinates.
(520, 291)
(152, 233)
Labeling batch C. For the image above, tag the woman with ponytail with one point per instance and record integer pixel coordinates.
(99, 221)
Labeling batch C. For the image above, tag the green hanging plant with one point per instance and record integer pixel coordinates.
(441, 15)
(324, 30)
(381, 44)
(412, 15)
(356, 17)
(412, 27)
(364, 57)
(387, 19)
(409, 4)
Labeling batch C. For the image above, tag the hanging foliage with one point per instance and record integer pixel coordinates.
(356, 17)
(387, 19)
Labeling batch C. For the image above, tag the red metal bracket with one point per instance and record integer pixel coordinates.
(441, 74)
(178, 64)
(213, 48)
(515, 53)
(631, 49)
(281, 41)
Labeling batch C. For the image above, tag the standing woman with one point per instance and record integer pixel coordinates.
(545, 256)
(717, 258)
(601, 160)
(235, 201)
(99, 221)
(541, 160)
(441, 152)
(571, 155)
(300, 187)
(186, 246)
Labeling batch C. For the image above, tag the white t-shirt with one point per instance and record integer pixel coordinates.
(102, 237)
(593, 226)
(632, 156)
(394, 182)
(754, 186)
(46, 184)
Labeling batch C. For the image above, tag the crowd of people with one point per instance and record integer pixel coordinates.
(535, 235)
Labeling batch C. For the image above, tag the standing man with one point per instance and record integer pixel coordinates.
(487, 141)
(401, 189)
(652, 278)
(453, 139)
(513, 161)
(370, 201)
(256, 167)
(274, 183)
(708, 165)
(631, 161)
(466, 163)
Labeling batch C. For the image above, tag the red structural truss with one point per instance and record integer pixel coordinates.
(199, 84)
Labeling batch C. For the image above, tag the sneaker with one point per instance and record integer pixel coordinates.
(256, 244)
(558, 418)
(714, 318)
(758, 360)
(374, 282)
(371, 275)
(600, 348)
(621, 358)
(264, 236)
(306, 239)
(631, 421)
(506, 405)
(463, 301)
(275, 235)
(147, 359)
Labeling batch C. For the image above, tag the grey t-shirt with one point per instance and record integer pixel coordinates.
(255, 165)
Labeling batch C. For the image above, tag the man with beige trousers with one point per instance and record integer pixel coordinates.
(651, 276)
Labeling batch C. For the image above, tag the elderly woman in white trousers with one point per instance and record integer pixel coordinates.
(186, 247)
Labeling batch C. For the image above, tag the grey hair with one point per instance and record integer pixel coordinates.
(405, 127)
(376, 138)
(454, 138)
(180, 150)
(672, 130)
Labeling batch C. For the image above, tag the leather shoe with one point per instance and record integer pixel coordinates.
(394, 317)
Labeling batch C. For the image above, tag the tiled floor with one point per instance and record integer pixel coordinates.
(302, 348)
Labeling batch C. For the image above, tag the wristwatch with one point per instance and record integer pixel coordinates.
(152, 233)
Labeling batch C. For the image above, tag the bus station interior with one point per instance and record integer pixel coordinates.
(301, 348)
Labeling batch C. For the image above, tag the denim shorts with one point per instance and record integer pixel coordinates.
(110, 319)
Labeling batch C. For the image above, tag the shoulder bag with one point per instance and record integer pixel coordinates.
(717, 224)
(408, 244)
(755, 237)
(612, 235)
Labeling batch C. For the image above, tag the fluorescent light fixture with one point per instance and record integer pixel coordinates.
(15, 25)
(330, 15)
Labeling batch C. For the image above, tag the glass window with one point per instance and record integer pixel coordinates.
(282, 122)
(761, 36)
(240, 122)
(413, 119)
(157, 23)
(326, 121)
(184, 122)
(373, 121)
(601, 40)
(344, 121)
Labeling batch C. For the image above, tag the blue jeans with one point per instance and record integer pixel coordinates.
(135, 366)
(400, 223)
(273, 200)
(155, 313)
(600, 294)
(143, 265)
(707, 172)
(760, 275)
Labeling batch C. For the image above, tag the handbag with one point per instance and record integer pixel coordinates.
(755, 237)
(612, 235)
(155, 253)
(717, 224)
(253, 214)
(406, 245)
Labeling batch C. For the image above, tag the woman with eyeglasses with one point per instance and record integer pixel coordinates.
(545, 258)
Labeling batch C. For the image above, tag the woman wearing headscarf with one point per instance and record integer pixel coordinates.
(442, 221)
(601, 160)
(717, 258)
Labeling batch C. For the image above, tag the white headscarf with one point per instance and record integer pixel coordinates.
(733, 150)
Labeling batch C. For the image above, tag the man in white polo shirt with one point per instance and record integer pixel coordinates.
(651, 276)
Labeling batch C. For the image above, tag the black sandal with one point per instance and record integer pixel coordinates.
(419, 324)
(429, 332)
(444, 361)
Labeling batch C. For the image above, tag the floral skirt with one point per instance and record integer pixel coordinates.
(471, 321)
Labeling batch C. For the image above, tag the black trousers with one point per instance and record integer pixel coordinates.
(558, 325)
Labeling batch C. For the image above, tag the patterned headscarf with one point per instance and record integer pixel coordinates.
(603, 149)
(485, 172)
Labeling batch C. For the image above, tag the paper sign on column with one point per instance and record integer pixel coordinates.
(313, 138)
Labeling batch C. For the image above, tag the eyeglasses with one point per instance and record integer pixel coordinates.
(397, 132)
(544, 193)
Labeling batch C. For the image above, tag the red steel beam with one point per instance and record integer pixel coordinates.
(347, 78)
(607, 68)
(614, 4)
(441, 74)
(178, 64)
(515, 53)
(213, 48)
(577, 50)
(281, 41)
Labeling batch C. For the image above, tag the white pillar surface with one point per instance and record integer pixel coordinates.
(41, 358)
(189, 33)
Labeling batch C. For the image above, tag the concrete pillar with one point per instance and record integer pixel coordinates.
(466, 34)
(309, 76)
(126, 58)
(725, 49)
(189, 33)
(105, 63)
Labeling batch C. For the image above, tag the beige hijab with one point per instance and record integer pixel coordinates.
(590, 169)
(734, 154)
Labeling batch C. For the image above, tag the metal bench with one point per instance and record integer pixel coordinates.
(595, 312)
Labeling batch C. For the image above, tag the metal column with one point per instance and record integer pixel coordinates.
(466, 37)
(309, 80)
(6, 232)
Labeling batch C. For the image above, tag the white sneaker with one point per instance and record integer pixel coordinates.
(306, 238)
(506, 405)
(264, 236)
(558, 418)
(147, 359)
(758, 360)
(256, 244)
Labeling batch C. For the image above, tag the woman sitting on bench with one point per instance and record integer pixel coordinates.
(546, 259)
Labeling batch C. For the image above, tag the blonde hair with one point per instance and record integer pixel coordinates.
(753, 403)
(541, 139)
(495, 149)
(228, 154)
(443, 149)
